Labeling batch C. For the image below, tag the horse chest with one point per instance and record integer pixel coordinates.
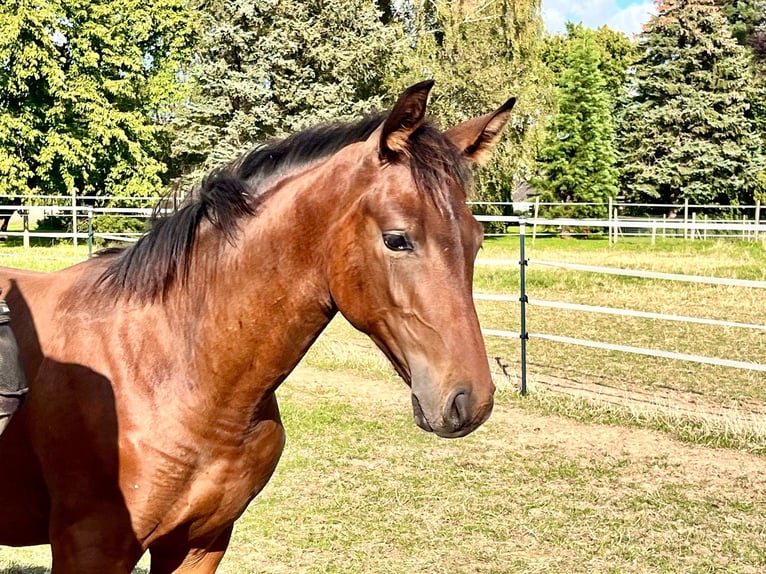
(200, 495)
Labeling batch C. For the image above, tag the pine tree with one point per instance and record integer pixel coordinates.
(267, 69)
(685, 129)
(577, 162)
(83, 88)
(744, 17)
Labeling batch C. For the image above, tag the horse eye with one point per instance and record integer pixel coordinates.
(397, 242)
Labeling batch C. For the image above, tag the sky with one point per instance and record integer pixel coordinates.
(624, 15)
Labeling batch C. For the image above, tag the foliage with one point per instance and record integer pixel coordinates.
(744, 17)
(577, 160)
(480, 54)
(686, 128)
(618, 52)
(269, 68)
(84, 87)
(107, 223)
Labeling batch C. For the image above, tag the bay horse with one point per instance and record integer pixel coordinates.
(151, 420)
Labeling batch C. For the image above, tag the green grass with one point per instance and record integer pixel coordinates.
(42, 258)
(551, 483)
(361, 489)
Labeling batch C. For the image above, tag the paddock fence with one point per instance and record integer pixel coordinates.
(746, 224)
(623, 220)
(524, 301)
(80, 213)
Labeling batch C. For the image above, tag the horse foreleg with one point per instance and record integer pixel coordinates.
(190, 560)
(83, 550)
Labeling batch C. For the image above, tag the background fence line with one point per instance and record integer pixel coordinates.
(523, 299)
(692, 221)
(690, 227)
(618, 311)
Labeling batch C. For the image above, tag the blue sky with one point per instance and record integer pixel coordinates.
(625, 15)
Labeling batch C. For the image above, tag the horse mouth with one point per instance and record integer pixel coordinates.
(419, 416)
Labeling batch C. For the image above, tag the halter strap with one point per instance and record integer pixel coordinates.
(11, 401)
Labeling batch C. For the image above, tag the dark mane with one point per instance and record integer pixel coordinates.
(301, 148)
(148, 269)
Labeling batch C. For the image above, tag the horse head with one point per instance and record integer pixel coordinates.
(402, 260)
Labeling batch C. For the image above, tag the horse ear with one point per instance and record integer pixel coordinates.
(476, 137)
(404, 119)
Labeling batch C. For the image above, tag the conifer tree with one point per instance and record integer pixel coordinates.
(686, 129)
(744, 17)
(267, 69)
(618, 52)
(577, 162)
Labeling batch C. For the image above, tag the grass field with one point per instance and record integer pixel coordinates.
(606, 467)
(361, 490)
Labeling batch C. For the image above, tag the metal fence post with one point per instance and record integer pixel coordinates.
(523, 301)
(25, 230)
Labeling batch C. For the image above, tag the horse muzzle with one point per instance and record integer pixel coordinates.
(460, 415)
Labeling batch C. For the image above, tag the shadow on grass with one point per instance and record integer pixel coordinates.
(17, 241)
(20, 569)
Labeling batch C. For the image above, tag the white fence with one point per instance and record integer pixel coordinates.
(82, 213)
(523, 334)
(689, 227)
(684, 220)
(690, 222)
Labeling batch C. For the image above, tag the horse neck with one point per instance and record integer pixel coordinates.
(266, 298)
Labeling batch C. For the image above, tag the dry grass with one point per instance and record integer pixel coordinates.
(719, 385)
(361, 489)
(552, 483)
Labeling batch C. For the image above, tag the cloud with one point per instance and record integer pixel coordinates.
(595, 13)
(632, 18)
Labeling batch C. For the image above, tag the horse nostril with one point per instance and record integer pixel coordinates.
(457, 412)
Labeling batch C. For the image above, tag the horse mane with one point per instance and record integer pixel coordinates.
(162, 257)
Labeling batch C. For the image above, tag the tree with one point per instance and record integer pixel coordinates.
(83, 87)
(577, 162)
(686, 130)
(617, 52)
(266, 69)
(480, 54)
(744, 17)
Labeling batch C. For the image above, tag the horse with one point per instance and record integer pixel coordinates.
(152, 422)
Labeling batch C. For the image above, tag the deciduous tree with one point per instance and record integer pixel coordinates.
(84, 88)
(480, 54)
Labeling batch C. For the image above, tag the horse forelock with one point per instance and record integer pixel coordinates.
(161, 258)
(439, 170)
